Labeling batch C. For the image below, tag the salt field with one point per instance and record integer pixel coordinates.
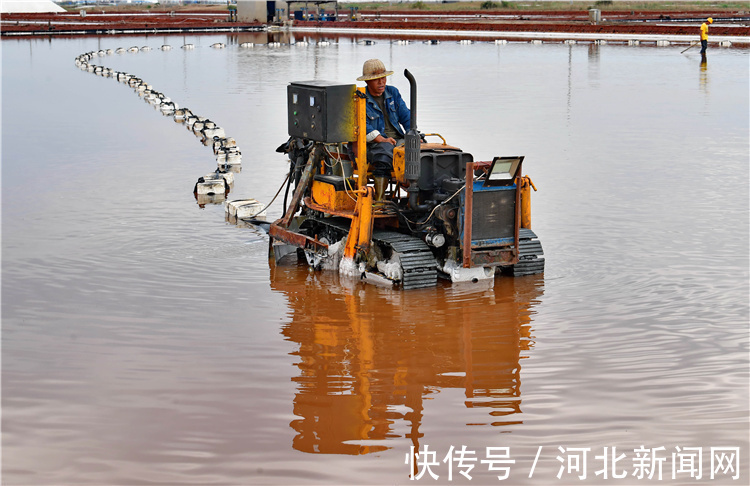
(147, 339)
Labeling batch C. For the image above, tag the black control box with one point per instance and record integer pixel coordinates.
(321, 111)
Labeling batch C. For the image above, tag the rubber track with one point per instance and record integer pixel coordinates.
(417, 262)
(531, 255)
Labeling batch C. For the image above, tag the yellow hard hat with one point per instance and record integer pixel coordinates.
(710, 20)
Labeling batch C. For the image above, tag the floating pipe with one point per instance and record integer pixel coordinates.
(214, 185)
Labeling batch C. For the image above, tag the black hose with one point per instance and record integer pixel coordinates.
(288, 184)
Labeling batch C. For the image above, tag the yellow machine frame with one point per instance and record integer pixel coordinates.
(356, 200)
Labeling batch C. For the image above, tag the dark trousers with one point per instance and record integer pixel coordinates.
(704, 45)
(380, 158)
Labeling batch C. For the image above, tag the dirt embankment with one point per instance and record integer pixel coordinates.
(100, 21)
(648, 22)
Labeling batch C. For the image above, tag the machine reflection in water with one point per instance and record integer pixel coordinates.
(369, 357)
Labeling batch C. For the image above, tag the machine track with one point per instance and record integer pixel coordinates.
(531, 255)
(417, 262)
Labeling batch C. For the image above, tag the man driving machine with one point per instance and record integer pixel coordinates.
(388, 119)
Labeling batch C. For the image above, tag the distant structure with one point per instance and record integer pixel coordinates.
(29, 6)
(262, 11)
(301, 10)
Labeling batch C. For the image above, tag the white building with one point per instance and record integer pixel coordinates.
(26, 6)
(261, 10)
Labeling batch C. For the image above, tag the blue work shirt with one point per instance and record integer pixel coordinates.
(398, 113)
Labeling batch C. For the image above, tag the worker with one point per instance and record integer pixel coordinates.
(704, 34)
(383, 132)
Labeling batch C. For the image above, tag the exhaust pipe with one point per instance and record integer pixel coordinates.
(411, 139)
(413, 97)
(411, 150)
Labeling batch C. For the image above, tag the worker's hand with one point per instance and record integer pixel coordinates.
(392, 141)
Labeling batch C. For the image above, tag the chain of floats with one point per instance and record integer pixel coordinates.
(228, 155)
(213, 187)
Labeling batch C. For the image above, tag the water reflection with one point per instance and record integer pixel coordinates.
(704, 73)
(594, 55)
(369, 357)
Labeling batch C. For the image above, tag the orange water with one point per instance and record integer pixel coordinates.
(145, 339)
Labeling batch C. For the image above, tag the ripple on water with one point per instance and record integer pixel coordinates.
(146, 339)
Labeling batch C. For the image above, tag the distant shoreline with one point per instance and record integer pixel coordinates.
(457, 6)
(516, 21)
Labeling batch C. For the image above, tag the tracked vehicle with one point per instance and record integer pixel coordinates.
(443, 215)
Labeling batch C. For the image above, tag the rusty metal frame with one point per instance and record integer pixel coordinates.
(517, 222)
(279, 230)
(302, 186)
(496, 256)
(295, 239)
(468, 209)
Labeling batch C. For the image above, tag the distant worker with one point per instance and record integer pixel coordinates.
(704, 34)
(383, 132)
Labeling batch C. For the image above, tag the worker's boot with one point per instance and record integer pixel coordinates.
(380, 184)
